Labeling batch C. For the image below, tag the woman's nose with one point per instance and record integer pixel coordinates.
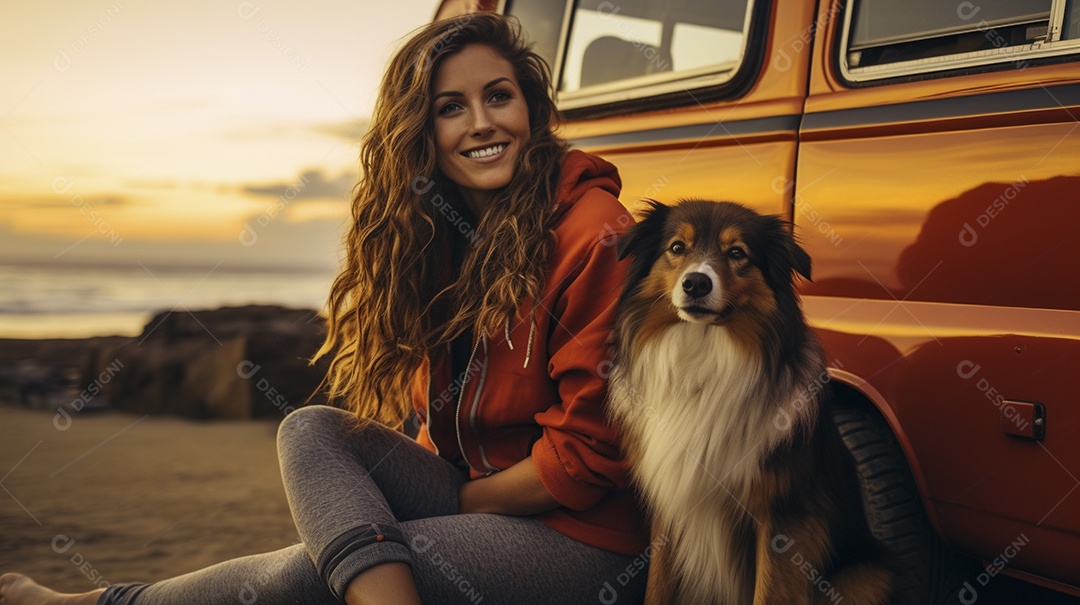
(482, 123)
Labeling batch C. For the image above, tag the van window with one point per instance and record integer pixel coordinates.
(885, 38)
(542, 20)
(1072, 22)
(615, 51)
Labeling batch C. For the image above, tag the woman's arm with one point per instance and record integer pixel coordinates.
(514, 491)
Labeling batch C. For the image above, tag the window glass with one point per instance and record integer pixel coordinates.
(895, 31)
(615, 42)
(542, 21)
(880, 22)
(1071, 27)
(689, 39)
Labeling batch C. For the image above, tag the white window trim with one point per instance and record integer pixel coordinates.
(1053, 47)
(651, 85)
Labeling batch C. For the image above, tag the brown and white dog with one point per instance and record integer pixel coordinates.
(718, 388)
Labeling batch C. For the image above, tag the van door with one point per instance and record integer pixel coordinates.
(938, 192)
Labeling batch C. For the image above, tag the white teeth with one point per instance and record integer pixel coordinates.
(487, 151)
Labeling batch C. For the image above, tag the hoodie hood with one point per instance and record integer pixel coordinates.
(580, 173)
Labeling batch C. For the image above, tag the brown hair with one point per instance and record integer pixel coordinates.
(393, 301)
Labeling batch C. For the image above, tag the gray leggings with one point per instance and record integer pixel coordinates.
(365, 496)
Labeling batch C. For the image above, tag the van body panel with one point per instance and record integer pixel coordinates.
(950, 216)
(692, 172)
(948, 373)
(941, 218)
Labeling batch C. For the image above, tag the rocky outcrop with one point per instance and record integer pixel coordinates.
(43, 373)
(235, 362)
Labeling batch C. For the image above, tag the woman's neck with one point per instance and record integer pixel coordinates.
(477, 200)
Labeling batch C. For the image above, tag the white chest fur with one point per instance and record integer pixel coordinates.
(702, 416)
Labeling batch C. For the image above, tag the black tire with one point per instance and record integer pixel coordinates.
(932, 573)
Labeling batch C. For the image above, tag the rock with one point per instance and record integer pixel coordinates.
(213, 379)
(234, 362)
(44, 372)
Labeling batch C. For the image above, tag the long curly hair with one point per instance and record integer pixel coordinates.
(395, 298)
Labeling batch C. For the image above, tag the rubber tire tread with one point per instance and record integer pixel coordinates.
(933, 573)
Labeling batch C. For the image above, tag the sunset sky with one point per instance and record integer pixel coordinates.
(186, 133)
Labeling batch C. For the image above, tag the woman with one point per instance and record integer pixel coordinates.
(480, 283)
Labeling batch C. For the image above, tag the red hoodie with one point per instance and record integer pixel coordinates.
(551, 404)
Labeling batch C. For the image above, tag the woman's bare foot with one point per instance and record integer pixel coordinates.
(17, 589)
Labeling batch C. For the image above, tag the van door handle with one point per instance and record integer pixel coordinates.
(1025, 419)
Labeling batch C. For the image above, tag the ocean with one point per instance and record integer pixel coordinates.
(79, 301)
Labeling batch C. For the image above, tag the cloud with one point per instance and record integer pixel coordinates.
(51, 203)
(279, 244)
(152, 184)
(310, 185)
(351, 130)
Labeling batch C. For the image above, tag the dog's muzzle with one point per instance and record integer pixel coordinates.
(697, 285)
(697, 298)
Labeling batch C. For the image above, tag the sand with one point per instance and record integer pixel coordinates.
(113, 497)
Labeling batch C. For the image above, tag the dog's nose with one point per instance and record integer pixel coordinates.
(696, 285)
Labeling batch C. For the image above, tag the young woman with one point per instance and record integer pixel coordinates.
(479, 284)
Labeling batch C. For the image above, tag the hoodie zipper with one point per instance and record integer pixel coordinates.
(472, 411)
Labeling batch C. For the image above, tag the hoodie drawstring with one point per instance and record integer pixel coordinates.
(532, 332)
(532, 335)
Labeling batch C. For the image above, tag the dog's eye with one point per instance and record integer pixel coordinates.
(677, 247)
(736, 253)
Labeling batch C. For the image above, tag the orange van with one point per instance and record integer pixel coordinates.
(928, 153)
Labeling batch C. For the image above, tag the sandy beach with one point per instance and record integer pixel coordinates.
(114, 497)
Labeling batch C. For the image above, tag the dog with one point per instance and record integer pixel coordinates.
(718, 388)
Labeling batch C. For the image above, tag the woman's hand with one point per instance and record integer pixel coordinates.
(514, 491)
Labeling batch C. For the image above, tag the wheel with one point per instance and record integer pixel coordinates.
(932, 573)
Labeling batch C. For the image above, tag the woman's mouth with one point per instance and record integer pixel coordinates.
(484, 153)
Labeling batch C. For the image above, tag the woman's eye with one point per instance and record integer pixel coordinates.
(736, 253)
(448, 108)
(677, 247)
(500, 96)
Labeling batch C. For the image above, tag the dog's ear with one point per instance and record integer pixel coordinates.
(785, 253)
(642, 244)
(800, 260)
(647, 233)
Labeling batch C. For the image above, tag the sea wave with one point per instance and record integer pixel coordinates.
(55, 301)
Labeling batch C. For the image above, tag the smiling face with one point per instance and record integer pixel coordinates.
(481, 122)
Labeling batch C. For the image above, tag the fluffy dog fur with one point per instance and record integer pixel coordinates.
(718, 389)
